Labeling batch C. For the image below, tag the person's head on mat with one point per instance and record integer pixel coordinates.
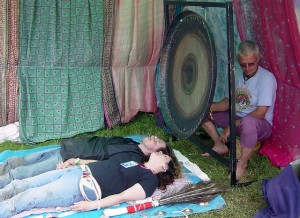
(152, 144)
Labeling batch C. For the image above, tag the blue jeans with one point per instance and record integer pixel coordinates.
(29, 165)
(50, 189)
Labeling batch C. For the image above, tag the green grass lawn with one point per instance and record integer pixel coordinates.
(240, 201)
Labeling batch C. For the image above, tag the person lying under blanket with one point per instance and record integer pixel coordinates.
(76, 151)
(113, 182)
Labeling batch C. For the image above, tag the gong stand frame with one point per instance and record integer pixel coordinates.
(231, 164)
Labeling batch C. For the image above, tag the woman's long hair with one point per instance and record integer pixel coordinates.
(174, 170)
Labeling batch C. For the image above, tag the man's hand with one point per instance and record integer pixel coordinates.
(225, 134)
(68, 163)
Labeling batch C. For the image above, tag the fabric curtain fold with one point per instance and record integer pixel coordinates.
(111, 110)
(138, 36)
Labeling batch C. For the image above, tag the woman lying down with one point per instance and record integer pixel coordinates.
(112, 182)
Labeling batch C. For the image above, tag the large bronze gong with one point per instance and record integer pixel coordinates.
(187, 74)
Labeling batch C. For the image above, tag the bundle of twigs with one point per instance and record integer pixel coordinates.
(196, 193)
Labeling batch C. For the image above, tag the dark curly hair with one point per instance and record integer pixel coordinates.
(174, 170)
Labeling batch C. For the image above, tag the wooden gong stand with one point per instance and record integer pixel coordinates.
(231, 164)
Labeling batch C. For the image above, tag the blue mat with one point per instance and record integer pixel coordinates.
(175, 210)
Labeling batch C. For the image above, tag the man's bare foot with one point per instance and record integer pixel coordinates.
(240, 170)
(220, 148)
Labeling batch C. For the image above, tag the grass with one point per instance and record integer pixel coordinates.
(240, 201)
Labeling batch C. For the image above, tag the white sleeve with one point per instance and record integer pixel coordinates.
(267, 90)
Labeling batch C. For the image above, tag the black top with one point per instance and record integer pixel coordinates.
(98, 148)
(120, 173)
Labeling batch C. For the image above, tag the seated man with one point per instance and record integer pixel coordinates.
(255, 98)
(77, 151)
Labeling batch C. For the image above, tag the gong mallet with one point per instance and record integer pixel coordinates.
(196, 193)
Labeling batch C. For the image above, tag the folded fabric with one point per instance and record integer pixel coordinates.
(282, 194)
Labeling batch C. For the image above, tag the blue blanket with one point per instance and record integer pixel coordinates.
(175, 210)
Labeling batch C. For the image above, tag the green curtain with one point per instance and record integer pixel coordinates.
(60, 54)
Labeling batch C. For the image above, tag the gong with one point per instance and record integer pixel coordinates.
(187, 75)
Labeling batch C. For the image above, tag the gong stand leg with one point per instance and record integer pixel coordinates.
(231, 82)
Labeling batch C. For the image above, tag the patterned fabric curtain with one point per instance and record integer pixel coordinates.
(138, 36)
(59, 68)
(273, 25)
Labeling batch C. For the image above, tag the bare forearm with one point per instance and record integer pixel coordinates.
(104, 202)
(111, 200)
(258, 114)
(220, 106)
(135, 192)
(98, 204)
(82, 161)
(73, 162)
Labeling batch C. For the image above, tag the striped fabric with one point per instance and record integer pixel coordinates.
(9, 19)
(11, 78)
(3, 60)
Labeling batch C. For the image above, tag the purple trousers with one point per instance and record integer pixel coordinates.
(251, 129)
